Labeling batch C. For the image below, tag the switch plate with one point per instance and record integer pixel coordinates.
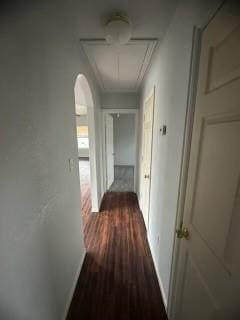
(163, 130)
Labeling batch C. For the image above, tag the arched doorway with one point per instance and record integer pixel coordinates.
(84, 110)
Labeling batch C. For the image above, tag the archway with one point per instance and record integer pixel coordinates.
(84, 101)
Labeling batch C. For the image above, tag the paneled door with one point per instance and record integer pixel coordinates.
(146, 156)
(208, 269)
(109, 149)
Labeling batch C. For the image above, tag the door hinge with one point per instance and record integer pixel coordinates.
(182, 233)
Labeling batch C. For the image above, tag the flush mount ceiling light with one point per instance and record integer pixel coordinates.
(118, 29)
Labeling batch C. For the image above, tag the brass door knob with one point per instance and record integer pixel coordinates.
(182, 233)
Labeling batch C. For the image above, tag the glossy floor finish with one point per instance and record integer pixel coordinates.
(118, 280)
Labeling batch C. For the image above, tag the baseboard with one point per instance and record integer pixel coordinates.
(69, 300)
(164, 297)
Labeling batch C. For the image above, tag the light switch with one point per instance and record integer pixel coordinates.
(163, 130)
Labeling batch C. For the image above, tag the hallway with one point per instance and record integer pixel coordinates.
(118, 280)
(148, 92)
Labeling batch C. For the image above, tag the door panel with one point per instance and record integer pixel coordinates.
(194, 282)
(224, 62)
(208, 280)
(217, 182)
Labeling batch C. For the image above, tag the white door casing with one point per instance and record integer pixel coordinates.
(146, 156)
(208, 269)
(84, 97)
(104, 147)
(109, 149)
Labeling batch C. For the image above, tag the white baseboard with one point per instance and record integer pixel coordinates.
(69, 300)
(95, 209)
(159, 278)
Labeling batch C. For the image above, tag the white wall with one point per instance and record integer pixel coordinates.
(169, 72)
(82, 120)
(124, 139)
(120, 100)
(41, 239)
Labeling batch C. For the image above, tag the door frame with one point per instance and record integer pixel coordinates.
(88, 100)
(108, 118)
(151, 93)
(120, 111)
(192, 88)
(186, 148)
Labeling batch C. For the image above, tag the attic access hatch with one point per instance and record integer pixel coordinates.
(122, 68)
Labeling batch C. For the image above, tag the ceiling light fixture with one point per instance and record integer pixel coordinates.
(118, 29)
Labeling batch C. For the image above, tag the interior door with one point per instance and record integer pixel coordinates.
(208, 272)
(109, 150)
(146, 156)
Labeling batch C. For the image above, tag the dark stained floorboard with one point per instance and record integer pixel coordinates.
(86, 202)
(84, 172)
(117, 280)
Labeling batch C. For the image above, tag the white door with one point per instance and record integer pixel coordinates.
(109, 150)
(208, 269)
(146, 156)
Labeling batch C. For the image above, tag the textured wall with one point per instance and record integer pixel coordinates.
(41, 239)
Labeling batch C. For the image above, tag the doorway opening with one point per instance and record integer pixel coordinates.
(85, 129)
(84, 161)
(120, 127)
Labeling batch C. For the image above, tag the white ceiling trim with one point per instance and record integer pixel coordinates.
(90, 45)
(146, 60)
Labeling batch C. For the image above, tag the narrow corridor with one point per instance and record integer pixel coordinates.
(118, 279)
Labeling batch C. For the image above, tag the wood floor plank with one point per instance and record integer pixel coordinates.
(86, 202)
(84, 172)
(118, 279)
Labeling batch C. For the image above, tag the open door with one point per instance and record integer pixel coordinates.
(146, 156)
(109, 149)
(208, 269)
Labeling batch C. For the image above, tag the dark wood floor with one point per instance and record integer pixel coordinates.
(86, 202)
(84, 172)
(118, 280)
